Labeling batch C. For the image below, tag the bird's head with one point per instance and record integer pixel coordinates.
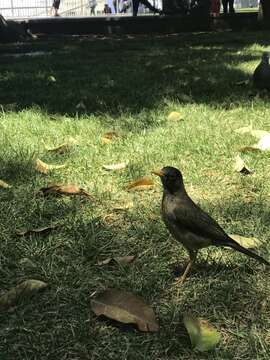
(171, 179)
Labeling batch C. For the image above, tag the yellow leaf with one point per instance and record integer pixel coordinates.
(175, 116)
(248, 243)
(203, 335)
(141, 184)
(4, 185)
(44, 168)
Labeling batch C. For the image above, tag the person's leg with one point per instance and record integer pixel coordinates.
(231, 8)
(135, 6)
(225, 6)
(150, 6)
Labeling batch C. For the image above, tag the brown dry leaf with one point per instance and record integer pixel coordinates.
(112, 167)
(21, 292)
(61, 189)
(4, 185)
(141, 184)
(41, 230)
(63, 148)
(240, 166)
(125, 205)
(44, 168)
(248, 243)
(174, 116)
(122, 260)
(108, 137)
(126, 308)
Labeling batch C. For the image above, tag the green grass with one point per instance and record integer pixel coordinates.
(129, 85)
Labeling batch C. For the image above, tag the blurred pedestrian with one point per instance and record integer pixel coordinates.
(92, 6)
(55, 8)
(215, 8)
(107, 9)
(147, 4)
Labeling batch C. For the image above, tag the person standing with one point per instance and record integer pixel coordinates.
(215, 8)
(55, 8)
(92, 6)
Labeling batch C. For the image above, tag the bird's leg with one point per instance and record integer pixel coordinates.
(192, 259)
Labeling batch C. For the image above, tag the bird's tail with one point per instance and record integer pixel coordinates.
(233, 244)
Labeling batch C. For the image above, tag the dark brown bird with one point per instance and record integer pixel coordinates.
(188, 223)
(261, 75)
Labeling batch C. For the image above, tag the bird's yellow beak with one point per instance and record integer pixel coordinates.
(158, 173)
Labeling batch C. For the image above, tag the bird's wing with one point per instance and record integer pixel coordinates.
(189, 216)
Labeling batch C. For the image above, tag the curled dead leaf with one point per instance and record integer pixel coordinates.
(141, 184)
(240, 166)
(174, 116)
(41, 230)
(61, 189)
(126, 308)
(4, 185)
(63, 148)
(44, 168)
(122, 260)
(112, 167)
(21, 292)
(203, 335)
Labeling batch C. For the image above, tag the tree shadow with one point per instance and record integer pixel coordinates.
(114, 76)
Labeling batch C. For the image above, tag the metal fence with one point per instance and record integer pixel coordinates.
(41, 8)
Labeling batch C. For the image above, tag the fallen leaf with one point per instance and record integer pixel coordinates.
(248, 243)
(63, 148)
(203, 336)
(112, 167)
(108, 137)
(44, 168)
(126, 308)
(241, 83)
(244, 130)
(240, 166)
(141, 184)
(122, 260)
(27, 263)
(125, 205)
(51, 78)
(174, 116)
(60, 189)
(262, 145)
(21, 292)
(259, 133)
(81, 106)
(41, 230)
(4, 185)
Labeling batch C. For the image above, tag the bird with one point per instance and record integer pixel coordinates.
(261, 75)
(188, 223)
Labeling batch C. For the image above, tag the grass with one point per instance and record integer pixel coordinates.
(129, 85)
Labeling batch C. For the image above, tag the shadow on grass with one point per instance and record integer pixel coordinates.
(127, 75)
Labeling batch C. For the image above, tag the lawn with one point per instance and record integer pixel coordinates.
(129, 85)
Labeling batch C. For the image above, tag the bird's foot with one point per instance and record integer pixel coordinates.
(179, 281)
